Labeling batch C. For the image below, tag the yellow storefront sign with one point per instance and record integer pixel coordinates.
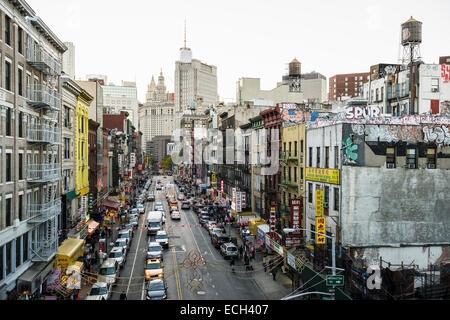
(319, 203)
(320, 228)
(323, 175)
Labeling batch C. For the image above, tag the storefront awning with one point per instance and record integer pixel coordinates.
(72, 195)
(111, 205)
(92, 226)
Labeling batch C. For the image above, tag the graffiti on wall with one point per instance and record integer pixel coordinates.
(439, 135)
(351, 151)
(445, 74)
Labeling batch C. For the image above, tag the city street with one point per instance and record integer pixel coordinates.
(219, 282)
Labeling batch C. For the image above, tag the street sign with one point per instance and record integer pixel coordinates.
(335, 281)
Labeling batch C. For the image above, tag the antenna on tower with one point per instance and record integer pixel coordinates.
(185, 32)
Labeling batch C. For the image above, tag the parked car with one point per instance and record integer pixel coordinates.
(219, 239)
(118, 254)
(162, 239)
(99, 291)
(154, 251)
(154, 269)
(228, 250)
(157, 290)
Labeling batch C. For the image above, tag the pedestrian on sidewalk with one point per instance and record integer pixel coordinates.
(274, 273)
(265, 263)
(240, 251)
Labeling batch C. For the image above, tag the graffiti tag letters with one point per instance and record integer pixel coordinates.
(440, 135)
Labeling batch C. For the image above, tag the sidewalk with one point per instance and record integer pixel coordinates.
(273, 290)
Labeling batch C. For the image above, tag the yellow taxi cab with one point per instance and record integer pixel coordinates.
(154, 269)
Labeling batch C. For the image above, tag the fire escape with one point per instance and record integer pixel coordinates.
(45, 171)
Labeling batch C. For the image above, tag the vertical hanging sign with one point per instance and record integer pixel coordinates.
(273, 212)
(320, 228)
(319, 203)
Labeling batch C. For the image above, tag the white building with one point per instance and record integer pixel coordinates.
(195, 85)
(122, 98)
(392, 92)
(68, 62)
(156, 116)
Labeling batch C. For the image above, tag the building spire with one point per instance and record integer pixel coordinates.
(184, 32)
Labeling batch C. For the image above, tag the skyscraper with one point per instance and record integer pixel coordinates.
(195, 84)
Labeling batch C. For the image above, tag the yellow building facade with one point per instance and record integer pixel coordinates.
(82, 150)
(293, 170)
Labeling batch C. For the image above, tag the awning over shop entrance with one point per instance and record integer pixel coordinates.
(92, 226)
(72, 195)
(31, 280)
(111, 205)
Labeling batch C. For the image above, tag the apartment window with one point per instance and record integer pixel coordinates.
(411, 158)
(20, 166)
(290, 174)
(310, 192)
(295, 174)
(8, 75)
(336, 199)
(8, 216)
(326, 198)
(8, 167)
(431, 158)
(318, 157)
(435, 85)
(1, 263)
(20, 124)
(390, 158)
(301, 173)
(327, 156)
(290, 148)
(284, 173)
(25, 247)
(7, 30)
(8, 260)
(17, 243)
(35, 89)
(66, 180)
(284, 146)
(66, 117)
(20, 40)
(310, 157)
(20, 81)
(336, 157)
(66, 148)
(301, 146)
(295, 148)
(21, 217)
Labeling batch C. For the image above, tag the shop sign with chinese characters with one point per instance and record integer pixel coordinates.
(320, 228)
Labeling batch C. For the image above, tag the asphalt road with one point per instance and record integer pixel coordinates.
(213, 281)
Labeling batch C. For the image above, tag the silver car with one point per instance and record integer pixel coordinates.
(154, 251)
(229, 250)
(122, 243)
(162, 239)
(100, 291)
(118, 254)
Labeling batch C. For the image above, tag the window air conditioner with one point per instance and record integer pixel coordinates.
(390, 165)
(411, 166)
(431, 166)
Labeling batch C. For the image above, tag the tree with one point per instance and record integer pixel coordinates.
(167, 163)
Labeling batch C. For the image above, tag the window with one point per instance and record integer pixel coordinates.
(284, 173)
(326, 199)
(1, 263)
(8, 213)
(336, 199)
(310, 157)
(336, 157)
(8, 122)
(290, 174)
(8, 167)
(66, 180)
(301, 173)
(8, 75)
(20, 40)
(21, 217)
(18, 262)
(295, 148)
(327, 156)
(20, 166)
(20, 124)
(390, 158)
(435, 85)
(290, 149)
(295, 174)
(318, 157)
(310, 192)
(20, 82)
(67, 118)
(66, 148)
(25, 247)
(431, 158)
(7, 30)
(35, 89)
(411, 159)
(8, 264)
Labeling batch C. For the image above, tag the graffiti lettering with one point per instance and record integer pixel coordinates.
(362, 112)
(440, 135)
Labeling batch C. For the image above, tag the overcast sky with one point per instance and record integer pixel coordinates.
(132, 40)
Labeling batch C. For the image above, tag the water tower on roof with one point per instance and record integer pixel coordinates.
(411, 40)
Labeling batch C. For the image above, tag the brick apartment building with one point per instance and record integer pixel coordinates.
(346, 85)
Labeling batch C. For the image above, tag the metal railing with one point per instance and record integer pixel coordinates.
(44, 62)
(44, 134)
(40, 213)
(44, 172)
(44, 97)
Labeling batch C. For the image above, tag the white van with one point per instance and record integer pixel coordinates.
(154, 222)
(108, 272)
